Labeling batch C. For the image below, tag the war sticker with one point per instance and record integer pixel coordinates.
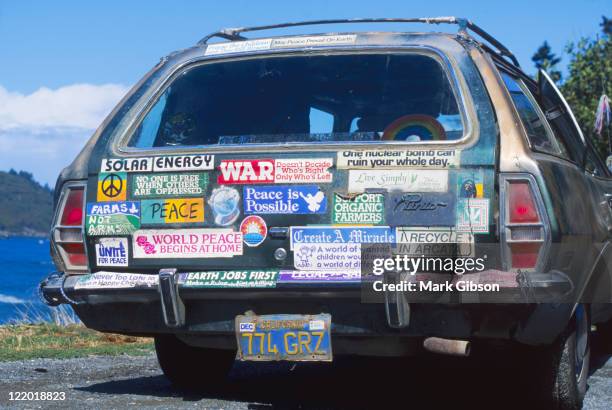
(168, 185)
(473, 215)
(279, 171)
(112, 186)
(116, 280)
(421, 209)
(366, 209)
(170, 211)
(390, 158)
(112, 252)
(470, 184)
(254, 230)
(225, 202)
(280, 199)
(327, 256)
(229, 279)
(398, 180)
(258, 171)
(112, 218)
(187, 243)
(300, 170)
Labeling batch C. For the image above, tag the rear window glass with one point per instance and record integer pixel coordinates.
(540, 136)
(352, 98)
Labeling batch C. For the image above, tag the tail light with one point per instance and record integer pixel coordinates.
(523, 223)
(67, 231)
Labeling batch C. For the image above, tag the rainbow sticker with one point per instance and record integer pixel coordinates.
(414, 128)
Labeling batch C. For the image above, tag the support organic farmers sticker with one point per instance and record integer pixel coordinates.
(366, 209)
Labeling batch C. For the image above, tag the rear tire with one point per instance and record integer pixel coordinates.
(563, 368)
(189, 367)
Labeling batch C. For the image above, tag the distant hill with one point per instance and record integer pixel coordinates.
(25, 205)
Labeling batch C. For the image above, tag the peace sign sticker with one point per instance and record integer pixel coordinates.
(112, 186)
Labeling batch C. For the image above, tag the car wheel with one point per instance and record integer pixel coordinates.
(192, 367)
(565, 365)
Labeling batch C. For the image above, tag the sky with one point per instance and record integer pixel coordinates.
(65, 64)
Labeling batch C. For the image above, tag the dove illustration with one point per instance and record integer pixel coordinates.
(313, 201)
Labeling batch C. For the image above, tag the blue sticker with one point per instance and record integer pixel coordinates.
(224, 202)
(283, 199)
(341, 234)
(421, 209)
(114, 208)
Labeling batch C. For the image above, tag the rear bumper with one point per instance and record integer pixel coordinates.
(209, 313)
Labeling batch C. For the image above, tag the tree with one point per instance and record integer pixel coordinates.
(606, 25)
(590, 76)
(546, 60)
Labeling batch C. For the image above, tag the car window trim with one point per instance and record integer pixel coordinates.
(532, 99)
(458, 85)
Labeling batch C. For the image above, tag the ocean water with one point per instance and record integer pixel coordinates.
(24, 262)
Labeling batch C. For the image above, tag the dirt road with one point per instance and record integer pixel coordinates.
(120, 382)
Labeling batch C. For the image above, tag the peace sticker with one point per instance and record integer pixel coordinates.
(112, 186)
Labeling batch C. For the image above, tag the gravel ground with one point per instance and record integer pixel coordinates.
(119, 382)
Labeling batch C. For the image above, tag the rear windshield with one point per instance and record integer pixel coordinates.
(310, 99)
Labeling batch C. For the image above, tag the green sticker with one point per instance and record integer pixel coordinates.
(229, 279)
(366, 209)
(168, 185)
(107, 225)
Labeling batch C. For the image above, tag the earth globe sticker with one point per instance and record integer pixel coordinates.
(224, 204)
(254, 230)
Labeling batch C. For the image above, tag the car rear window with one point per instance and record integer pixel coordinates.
(309, 99)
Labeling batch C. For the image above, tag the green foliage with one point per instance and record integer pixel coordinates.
(546, 60)
(23, 342)
(25, 206)
(590, 76)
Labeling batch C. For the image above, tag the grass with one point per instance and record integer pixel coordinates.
(50, 340)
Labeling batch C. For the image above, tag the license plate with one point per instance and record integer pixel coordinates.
(284, 337)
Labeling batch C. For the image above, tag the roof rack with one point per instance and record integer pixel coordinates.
(235, 34)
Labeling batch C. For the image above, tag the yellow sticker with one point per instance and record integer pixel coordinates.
(172, 211)
(112, 186)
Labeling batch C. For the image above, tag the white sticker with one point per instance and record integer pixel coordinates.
(187, 243)
(115, 280)
(370, 159)
(159, 164)
(473, 215)
(432, 235)
(127, 165)
(247, 327)
(112, 252)
(398, 180)
(316, 325)
(184, 163)
(238, 46)
(311, 41)
(314, 170)
(327, 256)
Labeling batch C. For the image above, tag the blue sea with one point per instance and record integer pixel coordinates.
(24, 262)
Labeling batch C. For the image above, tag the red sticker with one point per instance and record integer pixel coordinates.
(259, 171)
